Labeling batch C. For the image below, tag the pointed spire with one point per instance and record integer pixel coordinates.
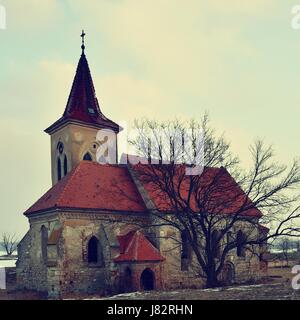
(82, 101)
(82, 105)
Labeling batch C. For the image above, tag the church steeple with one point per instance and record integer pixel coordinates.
(82, 105)
(75, 136)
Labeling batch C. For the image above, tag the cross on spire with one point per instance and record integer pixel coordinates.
(82, 45)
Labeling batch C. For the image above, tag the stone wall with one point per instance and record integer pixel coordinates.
(67, 269)
(246, 268)
(31, 267)
(172, 274)
(133, 281)
(76, 274)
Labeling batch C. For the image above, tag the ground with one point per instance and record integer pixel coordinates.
(277, 286)
(252, 292)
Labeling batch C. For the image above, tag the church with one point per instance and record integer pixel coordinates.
(86, 235)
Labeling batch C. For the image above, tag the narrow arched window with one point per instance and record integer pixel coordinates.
(240, 244)
(95, 254)
(185, 251)
(58, 169)
(93, 250)
(215, 244)
(87, 157)
(65, 166)
(44, 242)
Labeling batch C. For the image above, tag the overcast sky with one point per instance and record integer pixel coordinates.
(239, 60)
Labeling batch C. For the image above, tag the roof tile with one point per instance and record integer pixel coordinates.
(93, 186)
(135, 247)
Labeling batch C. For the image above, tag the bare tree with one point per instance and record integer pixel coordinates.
(298, 246)
(285, 245)
(9, 243)
(218, 215)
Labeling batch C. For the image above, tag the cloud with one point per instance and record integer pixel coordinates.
(176, 45)
(34, 96)
(125, 97)
(253, 7)
(41, 89)
(33, 15)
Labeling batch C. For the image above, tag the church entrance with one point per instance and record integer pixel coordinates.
(147, 280)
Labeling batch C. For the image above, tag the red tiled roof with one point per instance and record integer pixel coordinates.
(219, 192)
(82, 105)
(93, 186)
(135, 247)
(124, 240)
(105, 187)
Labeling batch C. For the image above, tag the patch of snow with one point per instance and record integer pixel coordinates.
(245, 287)
(134, 295)
(7, 263)
(212, 289)
(121, 295)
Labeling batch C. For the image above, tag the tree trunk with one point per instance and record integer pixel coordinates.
(212, 280)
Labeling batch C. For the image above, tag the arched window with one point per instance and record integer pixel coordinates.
(185, 251)
(95, 254)
(87, 157)
(65, 166)
(60, 147)
(215, 243)
(240, 244)
(44, 242)
(58, 169)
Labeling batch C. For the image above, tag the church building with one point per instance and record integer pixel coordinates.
(91, 232)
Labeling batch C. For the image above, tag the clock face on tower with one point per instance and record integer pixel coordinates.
(60, 147)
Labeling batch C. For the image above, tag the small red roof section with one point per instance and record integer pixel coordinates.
(135, 247)
(93, 186)
(82, 105)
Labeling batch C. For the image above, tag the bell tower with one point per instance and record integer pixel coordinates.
(81, 130)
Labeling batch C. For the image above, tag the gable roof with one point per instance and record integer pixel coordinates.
(93, 186)
(135, 247)
(219, 192)
(82, 106)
